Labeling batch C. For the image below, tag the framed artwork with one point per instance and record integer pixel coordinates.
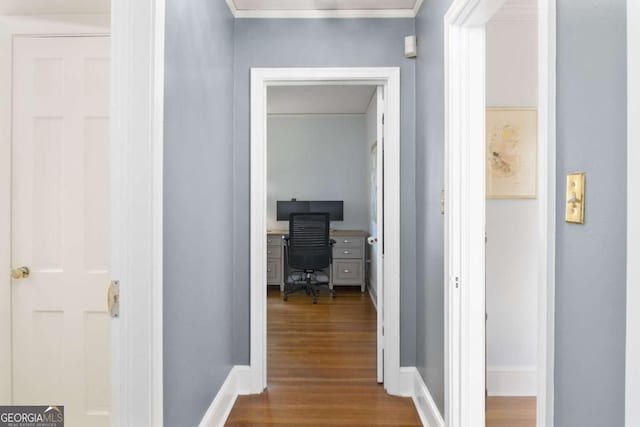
(512, 153)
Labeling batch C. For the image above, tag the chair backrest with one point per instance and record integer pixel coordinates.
(309, 247)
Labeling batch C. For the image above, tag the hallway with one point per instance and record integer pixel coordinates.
(322, 367)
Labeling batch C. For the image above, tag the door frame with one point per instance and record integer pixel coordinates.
(10, 28)
(632, 371)
(261, 79)
(465, 57)
(137, 82)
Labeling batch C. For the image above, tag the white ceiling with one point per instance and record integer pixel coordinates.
(323, 4)
(319, 99)
(54, 7)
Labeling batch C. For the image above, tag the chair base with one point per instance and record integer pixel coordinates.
(311, 289)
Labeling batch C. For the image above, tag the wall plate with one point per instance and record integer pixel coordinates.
(575, 198)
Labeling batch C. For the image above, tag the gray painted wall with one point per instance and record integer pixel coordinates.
(429, 183)
(322, 42)
(337, 171)
(590, 275)
(198, 217)
(590, 282)
(200, 149)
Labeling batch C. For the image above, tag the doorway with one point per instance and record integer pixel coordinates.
(465, 310)
(325, 152)
(55, 335)
(511, 214)
(60, 226)
(388, 291)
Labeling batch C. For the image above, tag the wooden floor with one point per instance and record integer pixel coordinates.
(322, 367)
(322, 371)
(511, 412)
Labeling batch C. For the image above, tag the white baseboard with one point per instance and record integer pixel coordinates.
(237, 382)
(511, 380)
(373, 295)
(415, 387)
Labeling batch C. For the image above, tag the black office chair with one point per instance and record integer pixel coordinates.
(307, 254)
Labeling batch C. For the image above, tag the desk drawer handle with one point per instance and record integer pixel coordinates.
(269, 252)
(346, 252)
(268, 240)
(347, 241)
(346, 271)
(268, 270)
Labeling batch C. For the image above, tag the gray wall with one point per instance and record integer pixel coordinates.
(337, 171)
(322, 42)
(590, 276)
(202, 157)
(429, 183)
(198, 221)
(590, 282)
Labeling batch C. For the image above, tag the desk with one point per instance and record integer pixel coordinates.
(349, 255)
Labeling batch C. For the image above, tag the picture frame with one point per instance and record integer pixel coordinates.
(511, 152)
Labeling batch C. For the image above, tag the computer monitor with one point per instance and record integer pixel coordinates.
(334, 208)
(287, 207)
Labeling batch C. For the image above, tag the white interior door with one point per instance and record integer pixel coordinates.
(60, 226)
(378, 248)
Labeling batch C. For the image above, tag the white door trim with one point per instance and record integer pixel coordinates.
(465, 210)
(632, 371)
(137, 127)
(10, 27)
(261, 78)
(547, 210)
(137, 82)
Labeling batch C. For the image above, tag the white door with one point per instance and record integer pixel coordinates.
(377, 249)
(60, 226)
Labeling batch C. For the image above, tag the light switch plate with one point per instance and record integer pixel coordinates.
(575, 198)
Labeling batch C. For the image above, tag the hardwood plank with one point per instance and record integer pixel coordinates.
(322, 367)
(511, 412)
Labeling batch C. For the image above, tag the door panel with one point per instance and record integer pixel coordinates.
(60, 226)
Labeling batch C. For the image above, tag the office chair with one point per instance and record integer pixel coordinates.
(308, 252)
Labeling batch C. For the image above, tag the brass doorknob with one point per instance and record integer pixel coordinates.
(20, 273)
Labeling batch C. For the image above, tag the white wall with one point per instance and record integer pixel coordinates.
(511, 224)
(371, 137)
(318, 157)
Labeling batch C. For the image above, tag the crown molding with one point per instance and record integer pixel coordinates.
(318, 14)
(416, 7)
(232, 7)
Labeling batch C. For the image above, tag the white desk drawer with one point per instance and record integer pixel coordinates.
(274, 240)
(348, 242)
(274, 252)
(274, 271)
(347, 252)
(347, 272)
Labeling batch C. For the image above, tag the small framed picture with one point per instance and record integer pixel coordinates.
(511, 153)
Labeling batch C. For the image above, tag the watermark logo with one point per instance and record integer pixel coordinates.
(31, 416)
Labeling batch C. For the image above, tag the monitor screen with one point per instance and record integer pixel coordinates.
(334, 208)
(286, 207)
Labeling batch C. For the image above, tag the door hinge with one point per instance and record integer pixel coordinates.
(383, 119)
(457, 282)
(442, 201)
(113, 299)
